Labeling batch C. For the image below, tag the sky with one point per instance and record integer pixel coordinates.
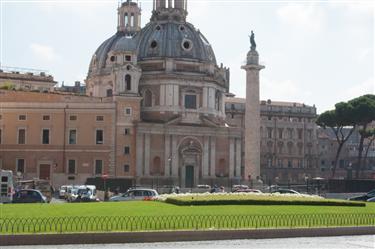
(315, 52)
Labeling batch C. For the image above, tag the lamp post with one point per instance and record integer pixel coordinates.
(349, 170)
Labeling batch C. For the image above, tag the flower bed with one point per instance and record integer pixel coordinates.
(253, 199)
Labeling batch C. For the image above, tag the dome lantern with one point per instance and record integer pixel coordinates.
(169, 10)
(129, 18)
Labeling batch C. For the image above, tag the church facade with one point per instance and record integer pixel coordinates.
(157, 106)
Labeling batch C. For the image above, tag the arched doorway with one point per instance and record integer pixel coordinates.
(191, 154)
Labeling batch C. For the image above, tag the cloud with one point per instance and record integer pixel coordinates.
(44, 52)
(362, 7)
(308, 17)
(283, 90)
(366, 87)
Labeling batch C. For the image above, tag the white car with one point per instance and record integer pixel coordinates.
(136, 195)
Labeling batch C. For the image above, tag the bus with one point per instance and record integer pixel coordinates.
(6, 186)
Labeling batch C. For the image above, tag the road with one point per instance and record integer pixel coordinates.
(344, 242)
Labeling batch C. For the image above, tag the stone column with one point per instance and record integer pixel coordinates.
(147, 154)
(205, 164)
(238, 158)
(167, 155)
(213, 157)
(175, 156)
(139, 169)
(252, 116)
(231, 157)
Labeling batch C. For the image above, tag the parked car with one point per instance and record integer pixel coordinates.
(63, 191)
(83, 193)
(136, 195)
(29, 196)
(246, 190)
(364, 197)
(285, 191)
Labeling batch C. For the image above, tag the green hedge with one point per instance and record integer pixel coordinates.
(257, 200)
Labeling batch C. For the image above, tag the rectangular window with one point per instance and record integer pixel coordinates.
(20, 165)
(22, 117)
(72, 117)
(21, 136)
(46, 117)
(127, 131)
(126, 168)
(45, 136)
(280, 133)
(126, 150)
(128, 111)
(99, 137)
(128, 58)
(1, 117)
(1, 136)
(72, 136)
(190, 101)
(99, 118)
(300, 133)
(71, 166)
(269, 132)
(98, 167)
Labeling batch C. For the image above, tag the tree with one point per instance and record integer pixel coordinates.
(363, 114)
(337, 120)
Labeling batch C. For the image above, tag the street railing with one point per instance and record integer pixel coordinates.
(183, 222)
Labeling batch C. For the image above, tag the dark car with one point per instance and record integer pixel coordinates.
(29, 196)
(364, 197)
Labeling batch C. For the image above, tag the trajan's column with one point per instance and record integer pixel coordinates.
(252, 114)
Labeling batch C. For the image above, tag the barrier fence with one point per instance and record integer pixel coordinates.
(194, 222)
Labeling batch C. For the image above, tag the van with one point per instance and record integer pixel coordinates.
(6, 186)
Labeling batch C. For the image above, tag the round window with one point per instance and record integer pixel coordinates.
(154, 44)
(128, 67)
(158, 28)
(113, 58)
(182, 28)
(187, 45)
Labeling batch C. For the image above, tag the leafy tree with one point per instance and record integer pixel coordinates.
(363, 114)
(338, 119)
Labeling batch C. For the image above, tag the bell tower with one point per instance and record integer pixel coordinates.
(129, 18)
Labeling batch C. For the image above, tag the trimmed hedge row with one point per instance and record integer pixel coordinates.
(199, 201)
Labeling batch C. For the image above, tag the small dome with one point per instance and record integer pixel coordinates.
(174, 40)
(119, 42)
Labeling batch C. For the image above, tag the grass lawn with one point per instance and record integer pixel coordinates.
(154, 215)
(154, 208)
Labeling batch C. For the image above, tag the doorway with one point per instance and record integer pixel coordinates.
(45, 171)
(189, 176)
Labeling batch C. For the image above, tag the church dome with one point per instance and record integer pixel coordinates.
(178, 40)
(119, 42)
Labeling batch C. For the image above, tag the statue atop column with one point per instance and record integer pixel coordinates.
(252, 41)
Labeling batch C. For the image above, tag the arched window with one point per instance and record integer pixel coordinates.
(218, 101)
(109, 93)
(132, 20)
(156, 166)
(147, 98)
(128, 82)
(126, 19)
